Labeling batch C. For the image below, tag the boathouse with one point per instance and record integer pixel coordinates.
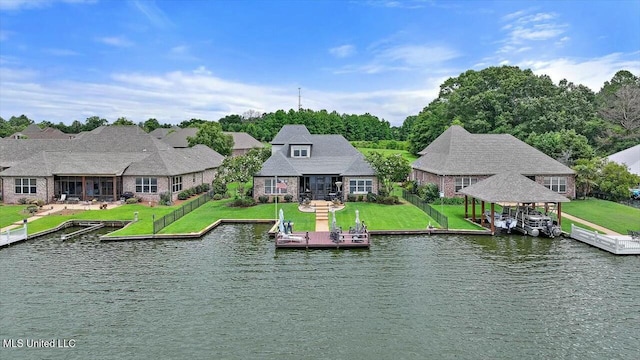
(509, 188)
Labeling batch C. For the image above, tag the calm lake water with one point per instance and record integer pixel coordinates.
(230, 295)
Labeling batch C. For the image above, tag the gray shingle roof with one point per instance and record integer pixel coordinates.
(111, 150)
(242, 140)
(178, 138)
(292, 134)
(629, 157)
(510, 187)
(330, 154)
(457, 152)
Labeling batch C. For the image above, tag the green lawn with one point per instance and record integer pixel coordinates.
(455, 215)
(405, 154)
(124, 212)
(611, 215)
(384, 217)
(212, 211)
(10, 214)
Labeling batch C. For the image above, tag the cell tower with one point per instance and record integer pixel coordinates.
(299, 100)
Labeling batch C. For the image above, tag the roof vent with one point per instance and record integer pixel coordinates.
(144, 150)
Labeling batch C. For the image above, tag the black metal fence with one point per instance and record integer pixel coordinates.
(166, 220)
(435, 214)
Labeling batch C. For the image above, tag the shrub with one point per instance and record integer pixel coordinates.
(449, 201)
(31, 209)
(217, 196)
(22, 201)
(165, 198)
(428, 192)
(263, 199)
(351, 197)
(388, 200)
(371, 197)
(383, 192)
(197, 189)
(242, 202)
(133, 200)
(288, 198)
(219, 187)
(359, 197)
(183, 195)
(206, 187)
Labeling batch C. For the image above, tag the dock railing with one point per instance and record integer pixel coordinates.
(171, 217)
(611, 244)
(14, 235)
(435, 214)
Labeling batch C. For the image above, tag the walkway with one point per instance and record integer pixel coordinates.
(54, 208)
(322, 209)
(590, 224)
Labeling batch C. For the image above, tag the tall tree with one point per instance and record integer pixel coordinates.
(241, 168)
(123, 121)
(210, 134)
(151, 125)
(94, 122)
(389, 169)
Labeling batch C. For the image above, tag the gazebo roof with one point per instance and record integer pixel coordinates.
(512, 187)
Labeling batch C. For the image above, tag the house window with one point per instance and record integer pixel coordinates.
(25, 186)
(360, 186)
(556, 183)
(463, 182)
(146, 185)
(273, 187)
(299, 151)
(176, 184)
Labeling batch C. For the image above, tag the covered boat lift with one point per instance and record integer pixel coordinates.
(509, 187)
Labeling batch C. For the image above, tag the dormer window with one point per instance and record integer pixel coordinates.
(300, 151)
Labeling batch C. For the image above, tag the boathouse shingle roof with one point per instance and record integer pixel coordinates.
(511, 187)
(458, 152)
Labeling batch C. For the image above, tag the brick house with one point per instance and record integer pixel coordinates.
(457, 159)
(102, 164)
(315, 166)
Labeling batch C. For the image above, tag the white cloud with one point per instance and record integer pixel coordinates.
(61, 52)
(590, 72)
(36, 4)
(118, 41)
(152, 12)
(342, 51)
(176, 96)
(524, 29)
(402, 58)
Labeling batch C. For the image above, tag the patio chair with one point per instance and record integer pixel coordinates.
(63, 199)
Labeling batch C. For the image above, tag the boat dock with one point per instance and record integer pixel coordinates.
(615, 244)
(322, 240)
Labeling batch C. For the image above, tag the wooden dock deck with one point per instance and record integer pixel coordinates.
(322, 240)
(615, 244)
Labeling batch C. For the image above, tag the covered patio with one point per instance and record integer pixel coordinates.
(509, 188)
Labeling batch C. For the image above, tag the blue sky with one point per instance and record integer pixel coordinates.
(67, 60)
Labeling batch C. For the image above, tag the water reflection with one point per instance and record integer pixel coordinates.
(231, 295)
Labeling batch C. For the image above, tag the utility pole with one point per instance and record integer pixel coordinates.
(299, 101)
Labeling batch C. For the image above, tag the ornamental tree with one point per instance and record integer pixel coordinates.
(389, 169)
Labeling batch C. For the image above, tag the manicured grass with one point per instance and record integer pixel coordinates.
(10, 214)
(611, 215)
(405, 154)
(455, 214)
(383, 217)
(212, 211)
(124, 212)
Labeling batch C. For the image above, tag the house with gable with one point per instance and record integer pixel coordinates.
(314, 166)
(102, 164)
(178, 138)
(457, 159)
